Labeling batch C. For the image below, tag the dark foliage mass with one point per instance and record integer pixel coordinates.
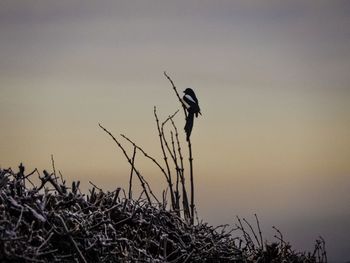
(51, 222)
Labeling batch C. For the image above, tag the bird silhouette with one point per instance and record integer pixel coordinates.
(192, 109)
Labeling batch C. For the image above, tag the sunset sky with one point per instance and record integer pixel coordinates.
(272, 79)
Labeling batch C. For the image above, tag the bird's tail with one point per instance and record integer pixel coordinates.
(189, 124)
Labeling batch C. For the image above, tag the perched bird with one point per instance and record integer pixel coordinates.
(192, 109)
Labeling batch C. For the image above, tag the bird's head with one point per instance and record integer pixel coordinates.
(189, 91)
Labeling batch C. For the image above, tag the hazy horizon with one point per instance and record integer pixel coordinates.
(272, 79)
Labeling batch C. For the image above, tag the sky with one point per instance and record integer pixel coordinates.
(272, 79)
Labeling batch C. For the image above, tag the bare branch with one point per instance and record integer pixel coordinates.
(142, 180)
(146, 154)
(165, 160)
(131, 172)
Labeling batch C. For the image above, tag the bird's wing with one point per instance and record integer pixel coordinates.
(190, 98)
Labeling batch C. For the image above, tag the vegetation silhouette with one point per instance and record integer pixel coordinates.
(54, 222)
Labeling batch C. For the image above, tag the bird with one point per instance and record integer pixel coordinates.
(192, 109)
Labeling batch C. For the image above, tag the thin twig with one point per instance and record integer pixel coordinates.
(177, 94)
(178, 172)
(182, 175)
(19, 219)
(173, 156)
(165, 160)
(189, 148)
(246, 236)
(72, 239)
(253, 232)
(190, 158)
(142, 180)
(146, 155)
(260, 234)
(94, 185)
(131, 172)
(53, 167)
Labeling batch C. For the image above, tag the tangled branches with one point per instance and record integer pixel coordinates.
(56, 223)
